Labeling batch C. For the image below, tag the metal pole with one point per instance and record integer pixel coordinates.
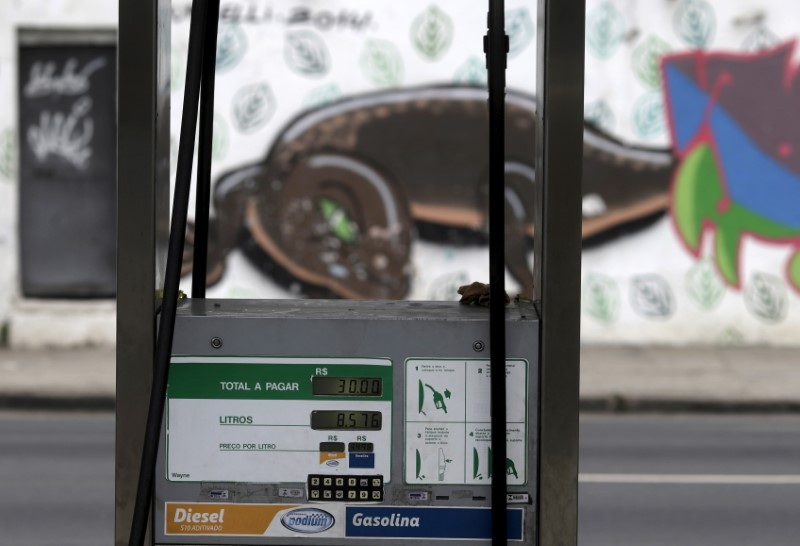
(143, 200)
(169, 304)
(203, 193)
(496, 46)
(557, 269)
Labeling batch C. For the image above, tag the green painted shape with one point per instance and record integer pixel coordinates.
(697, 198)
(432, 33)
(382, 63)
(767, 298)
(605, 30)
(340, 223)
(421, 396)
(476, 462)
(600, 297)
(697, 189)
(704, 285)
(726, 253)
(305, 53)
(8, 154)
(695, 22)
(647, 61)
(794, 270)
(419, 465)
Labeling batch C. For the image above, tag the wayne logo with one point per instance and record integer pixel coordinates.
(308, 520)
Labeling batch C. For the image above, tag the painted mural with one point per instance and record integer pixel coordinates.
(346, 187)
(349, 161)
(714, 81)
(734, 122)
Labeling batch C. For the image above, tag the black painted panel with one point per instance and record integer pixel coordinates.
(67, 99)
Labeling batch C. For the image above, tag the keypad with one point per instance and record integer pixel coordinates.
(345, 488)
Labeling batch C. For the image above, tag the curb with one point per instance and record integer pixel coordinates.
(624, 404)
(42, 402)
(588, 405)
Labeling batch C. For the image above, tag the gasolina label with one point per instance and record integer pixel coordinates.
(428, 522)
(448, 422)
(248, 419)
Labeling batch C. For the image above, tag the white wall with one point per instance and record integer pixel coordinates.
(641, 288)
(75, 323)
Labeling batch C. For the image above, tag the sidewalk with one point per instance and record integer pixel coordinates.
(612, 379)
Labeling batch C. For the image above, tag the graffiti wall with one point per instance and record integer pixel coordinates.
(56, 109)
(714, 81)
(350, 159)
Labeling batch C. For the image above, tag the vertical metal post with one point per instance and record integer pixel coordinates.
(496, 48)
(557, 268)
(143, 218)
(204, 145)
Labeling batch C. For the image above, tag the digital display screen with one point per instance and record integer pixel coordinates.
(346, 420)
(346, 386)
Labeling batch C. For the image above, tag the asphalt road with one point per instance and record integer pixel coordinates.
(56, 479)
(689, 481)
(645, 481)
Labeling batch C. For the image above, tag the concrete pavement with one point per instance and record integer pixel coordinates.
(82, 379)
(612, 379)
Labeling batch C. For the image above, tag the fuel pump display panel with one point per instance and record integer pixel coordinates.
(324, 423)
(258, 420)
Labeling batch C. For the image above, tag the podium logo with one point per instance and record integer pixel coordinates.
(308, 520)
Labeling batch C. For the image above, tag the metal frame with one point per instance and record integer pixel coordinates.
(143, 219)
(557, 247)
(143, 195)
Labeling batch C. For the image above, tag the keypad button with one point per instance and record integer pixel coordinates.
(363, 495)
(315, 494)
(314, 481)
(326, 494)
(363, 482)
(340, 494)
(376, 495)
(376, 482)
(351, 482)
(327, 481)
(352, 494)
(339, 482)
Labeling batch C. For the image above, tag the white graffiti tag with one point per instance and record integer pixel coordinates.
(63, 135)
(43, 79)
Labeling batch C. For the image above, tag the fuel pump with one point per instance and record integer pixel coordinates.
(339, 422)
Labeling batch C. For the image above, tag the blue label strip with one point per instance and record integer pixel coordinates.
(362, 460)
(427, 522)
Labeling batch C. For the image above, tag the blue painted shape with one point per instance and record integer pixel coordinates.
(689, 104)
(754, 179)
(428, 522)
(362, 460)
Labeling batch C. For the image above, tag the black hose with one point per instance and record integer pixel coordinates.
(496, 46)
(180, 206)
(203, 193)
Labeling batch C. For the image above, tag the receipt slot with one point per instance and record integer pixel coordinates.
(343, 422)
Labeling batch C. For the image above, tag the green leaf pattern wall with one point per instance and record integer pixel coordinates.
(276, 59)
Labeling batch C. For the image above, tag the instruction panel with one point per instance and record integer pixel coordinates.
(277, 420)
(448, 422)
